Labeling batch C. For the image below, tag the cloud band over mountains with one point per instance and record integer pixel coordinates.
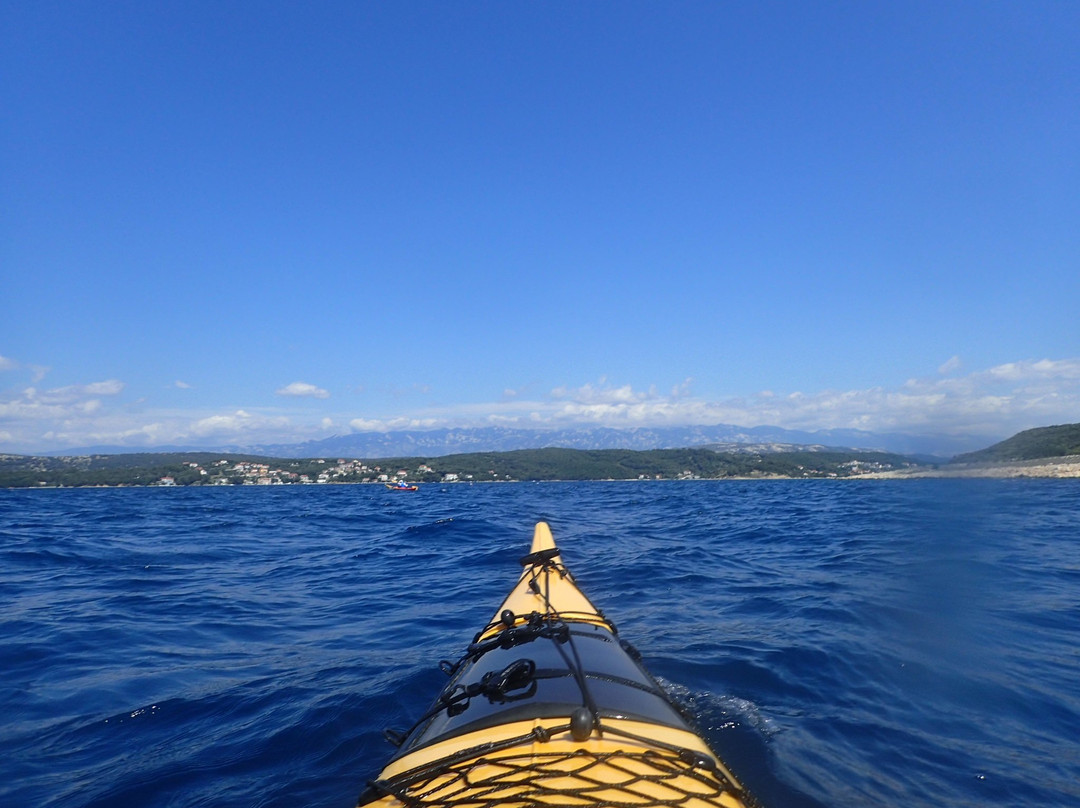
(998, 401)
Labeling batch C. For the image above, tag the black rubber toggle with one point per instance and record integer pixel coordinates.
(507, 618)
(581, 724)
(697, 760)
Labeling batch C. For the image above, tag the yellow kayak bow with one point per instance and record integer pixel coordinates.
(548, 707)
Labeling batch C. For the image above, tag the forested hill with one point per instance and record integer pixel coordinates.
(1031, 444)
(18, 471)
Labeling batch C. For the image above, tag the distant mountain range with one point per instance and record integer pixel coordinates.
(438, 442)
(1052, 451)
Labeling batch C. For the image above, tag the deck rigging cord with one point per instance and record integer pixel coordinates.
(585, 720)
(516, 771)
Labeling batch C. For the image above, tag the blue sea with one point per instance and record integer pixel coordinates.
(842, 643)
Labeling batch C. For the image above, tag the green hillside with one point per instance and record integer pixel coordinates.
(1031, 444)
(182, 469)
(147, 468)
(626, 464)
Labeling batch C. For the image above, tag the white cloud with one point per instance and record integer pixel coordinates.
(111, 387)
(682, 390)
(996, 401)
(951, 366)
(600, 396)
(368, 425)
(181, 385)
(59, 402)
(37, 372)
(303, 390)
(394, 424)
(35, 420)
(74, 393)
(238, 426)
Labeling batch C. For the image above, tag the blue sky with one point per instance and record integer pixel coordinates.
(271, 221)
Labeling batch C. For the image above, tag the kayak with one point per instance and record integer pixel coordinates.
(550, 707)
(401, 487)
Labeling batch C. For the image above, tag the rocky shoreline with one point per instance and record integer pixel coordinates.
(1055, 467)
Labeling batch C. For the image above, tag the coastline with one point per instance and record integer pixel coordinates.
(1067, 467)
(181, 470)
(1033, 469)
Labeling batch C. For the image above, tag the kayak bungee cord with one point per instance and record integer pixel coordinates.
(586, 718)
(683, 782)
(496, 686)
(577, 722)
(583, 725)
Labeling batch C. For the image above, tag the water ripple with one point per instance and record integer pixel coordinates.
(841, 643)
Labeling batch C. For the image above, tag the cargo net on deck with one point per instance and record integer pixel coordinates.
(579, 778)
